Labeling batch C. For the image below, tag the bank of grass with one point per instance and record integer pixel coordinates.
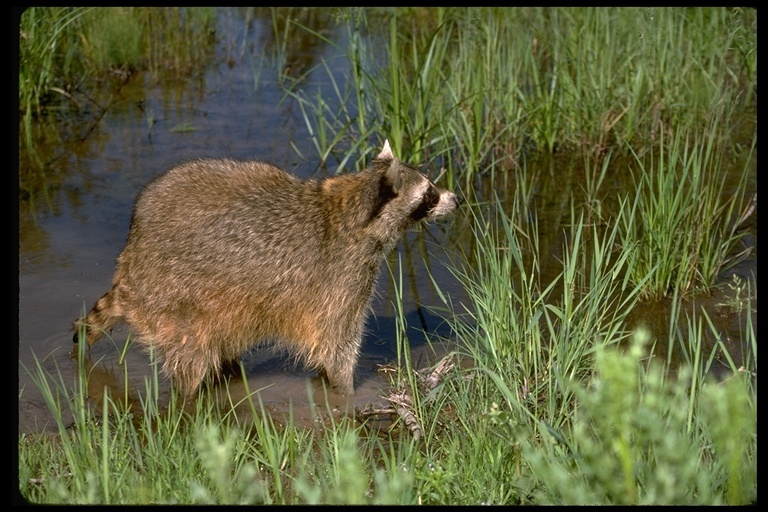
(64, 48)
(555, 402)
(580, 414)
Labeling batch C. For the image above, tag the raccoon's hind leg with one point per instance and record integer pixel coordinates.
(188, 354)
(187, 376)
(102, 317)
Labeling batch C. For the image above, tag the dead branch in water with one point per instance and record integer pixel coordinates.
(401, 400)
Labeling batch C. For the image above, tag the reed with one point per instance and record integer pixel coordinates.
(71, 57)
(468, 90)
(685, 223)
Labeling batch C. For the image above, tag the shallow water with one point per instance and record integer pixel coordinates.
(71, 231)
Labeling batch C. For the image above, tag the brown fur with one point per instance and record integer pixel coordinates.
(222, 254)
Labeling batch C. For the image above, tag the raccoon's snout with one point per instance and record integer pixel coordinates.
(456, 200)
(446, 205)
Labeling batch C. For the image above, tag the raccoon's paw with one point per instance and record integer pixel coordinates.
(341, 384)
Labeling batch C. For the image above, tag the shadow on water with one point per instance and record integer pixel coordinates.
(78, 188)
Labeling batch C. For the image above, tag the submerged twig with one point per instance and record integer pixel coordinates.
(403, 403)
(445, 365)
(402, 399)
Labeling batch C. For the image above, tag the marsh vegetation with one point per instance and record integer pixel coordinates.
(551, 392)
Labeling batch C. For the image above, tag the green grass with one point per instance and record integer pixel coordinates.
(61, 49)
(642, 438)
(685, 223)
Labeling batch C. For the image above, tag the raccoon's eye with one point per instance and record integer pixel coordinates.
(429, 200)
(431, 197)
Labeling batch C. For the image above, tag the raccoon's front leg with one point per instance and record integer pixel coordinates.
(339, 368)
(342, 381)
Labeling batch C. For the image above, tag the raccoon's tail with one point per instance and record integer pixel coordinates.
(102, 317)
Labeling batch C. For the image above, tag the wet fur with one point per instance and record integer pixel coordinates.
(223, 254)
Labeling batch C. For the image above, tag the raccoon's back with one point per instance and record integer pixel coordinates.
(220, 220)
(193, 192)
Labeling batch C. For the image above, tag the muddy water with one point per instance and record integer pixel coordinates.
(96, 159)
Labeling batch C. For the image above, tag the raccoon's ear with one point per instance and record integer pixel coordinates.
(386, 152)
(394, 176)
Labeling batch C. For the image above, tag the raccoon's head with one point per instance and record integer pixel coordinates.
(382, 201)
(406, 196)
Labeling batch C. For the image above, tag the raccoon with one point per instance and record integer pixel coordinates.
(224, 254)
